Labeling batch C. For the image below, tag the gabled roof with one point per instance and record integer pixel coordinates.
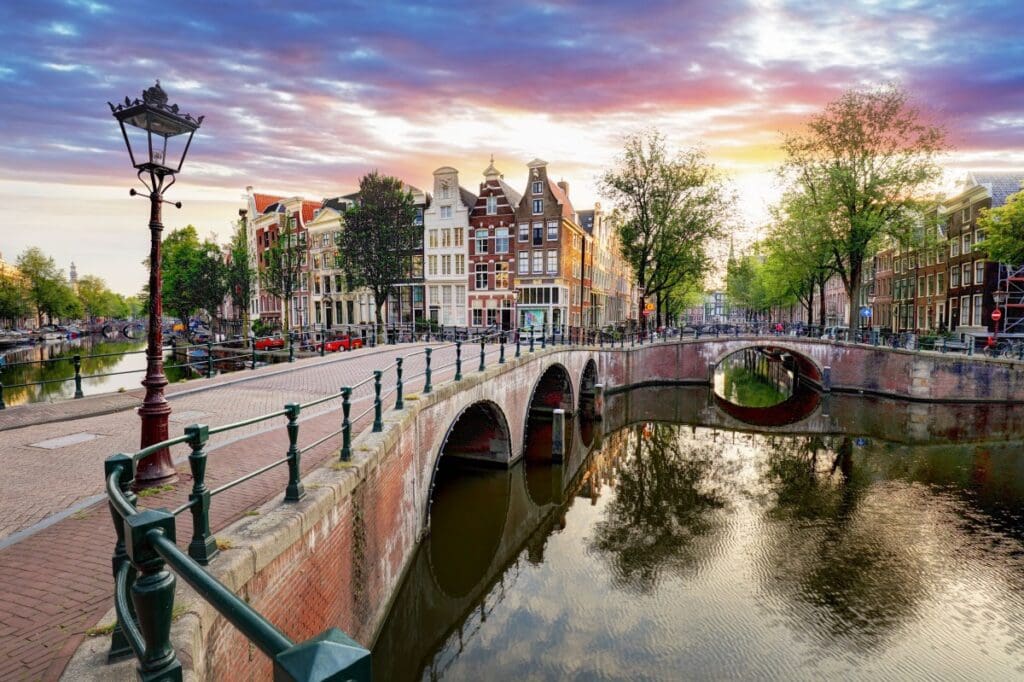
(511, 194)
(468, 198)
(567, 209)
(999, 184)
(308, 209)
(262, 201)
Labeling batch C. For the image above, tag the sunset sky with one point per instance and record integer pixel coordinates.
(303, 100)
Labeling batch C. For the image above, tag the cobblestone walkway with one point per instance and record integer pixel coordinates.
(55, 533)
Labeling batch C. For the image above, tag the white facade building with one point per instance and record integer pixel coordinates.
(445, 248)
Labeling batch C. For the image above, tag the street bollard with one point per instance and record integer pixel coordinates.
(294, 491)
(427, 388)
(323, 344)
(458, 361)
(78, 376)
(346, 425)
(378, 417)
(518, 351)
(399, 402)
(203, 546)
(254, 354)
(598, 402)
(943, 344)
(291, 346)
(531, 339)
(544, 339)
(209, 360)
(558, 435)
(501, 349)
(483, 355)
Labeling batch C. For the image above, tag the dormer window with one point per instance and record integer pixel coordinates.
(538, 187)
(492, 205)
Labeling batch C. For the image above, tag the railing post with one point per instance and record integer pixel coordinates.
(501, 349)
(518, 343)
(254, 353)
(323, 343)
(482, 354)
(378, 417)
(427, 388)
(77, 359)
(119, 646)
(295, 491)
(153, 594)
(209, 360)
(531, 338)
(399, 402)
(558, 435)
(291, 346)
(346, 425)
(203, 546)
(458, 360)
(544, 338)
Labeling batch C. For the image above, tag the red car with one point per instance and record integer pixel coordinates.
(341, 343)
(270, 343)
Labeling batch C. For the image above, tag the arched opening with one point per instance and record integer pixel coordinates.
(552, 391)
(587, 382)
(480, 434)
(766, 386)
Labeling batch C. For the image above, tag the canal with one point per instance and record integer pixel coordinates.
(848, 542)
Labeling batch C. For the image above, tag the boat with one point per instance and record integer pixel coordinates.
(49, 334)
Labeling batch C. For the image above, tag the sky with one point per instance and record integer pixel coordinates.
(304, 97)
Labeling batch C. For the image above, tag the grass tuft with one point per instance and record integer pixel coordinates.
(155, 490)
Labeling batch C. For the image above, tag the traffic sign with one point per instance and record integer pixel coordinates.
(997, 315)
(865, 311)
(649, 307)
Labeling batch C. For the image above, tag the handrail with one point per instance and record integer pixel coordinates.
(156, 447)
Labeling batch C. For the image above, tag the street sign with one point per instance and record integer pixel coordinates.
(646, 313)
(649, 307)
(865, 311)
(997, 315)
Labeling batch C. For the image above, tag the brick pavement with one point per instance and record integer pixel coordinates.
(55, 582)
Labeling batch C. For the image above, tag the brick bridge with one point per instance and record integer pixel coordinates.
(343, 550)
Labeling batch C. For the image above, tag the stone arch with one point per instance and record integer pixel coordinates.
(552, 389)
(809, 367)
(588, 379)
(479, 434)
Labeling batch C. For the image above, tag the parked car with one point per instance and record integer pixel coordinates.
(344, 342)
(270, 343)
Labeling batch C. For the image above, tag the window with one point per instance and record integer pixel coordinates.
(538, 234)
(434, 298)
(920, 260)
(538, 187)
(460, 303)
(553, 231)
(417, 267)
(478, 317)
(446, 238)
(460, 264)
(940, 283)
(446, 211)
(965, 310)
(931, 257)
(446, 265)
(538, 206)
(480, 281)
(965, 274)
(492, 317)
(524, 232)
(979, 272)
(538, 261)
(965, 215)
(524, 262)
(976, 318)
(931, 285)
(445, 190)
(432, 265)
(920, 286)
(432, 239)
(552, 260)
(965, 247)
(501, 240)
(940, 255)
(481, 241)
(316, 284)
(327, 284)
(954, 248)
(446, 292)
(492, 205)
(458, 236)
(501, 275)
(954, 276)
(337, 284)
(418, 220)
(979, 237)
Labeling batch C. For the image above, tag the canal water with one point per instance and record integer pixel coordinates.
(858, 542)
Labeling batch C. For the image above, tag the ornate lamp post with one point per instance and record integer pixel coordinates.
(158, 136)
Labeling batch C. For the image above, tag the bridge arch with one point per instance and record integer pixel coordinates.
(588, 379)
(552, 390)
(479, 433)
(809, 367)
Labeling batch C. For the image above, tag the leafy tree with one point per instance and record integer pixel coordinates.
(668, 208)
(283, 265)
(47, 289)
(744, 284)
(861, 164)
(378, 238)
(193, 274)
(13, 299)
(1004, 231)
(239, 273)
(97, 300)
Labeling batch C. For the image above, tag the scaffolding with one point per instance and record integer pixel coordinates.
(1011, 282)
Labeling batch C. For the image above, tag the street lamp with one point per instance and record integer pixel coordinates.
(158, 136)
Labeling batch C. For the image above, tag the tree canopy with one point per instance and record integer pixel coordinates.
(1004, 231)
(862, 166)
(48, 290)
(193, 274)
(378, 236)
(239, 273)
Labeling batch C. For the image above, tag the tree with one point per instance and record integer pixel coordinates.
(193, 274)
(283, 266)
(47, 289)
(667, 210)
(240, 275)
(13, 299)
(861, 165)
(1004, 231)
(378, 236)
(97, 300)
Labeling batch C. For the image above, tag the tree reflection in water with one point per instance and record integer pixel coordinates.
(668, 509)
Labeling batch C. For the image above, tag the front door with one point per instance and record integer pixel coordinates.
(329, 310)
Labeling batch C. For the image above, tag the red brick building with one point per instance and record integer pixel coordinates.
(492, 253)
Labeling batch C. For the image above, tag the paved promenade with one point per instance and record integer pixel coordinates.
(56, 536)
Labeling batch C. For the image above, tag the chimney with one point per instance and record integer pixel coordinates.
(248, 189)
(565, 187)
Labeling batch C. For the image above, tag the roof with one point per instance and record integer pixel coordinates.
(468, 198)
(262, 201)
(567, 209)
(309, 208)
(586, 220)
(1000, 185)
(511, 194)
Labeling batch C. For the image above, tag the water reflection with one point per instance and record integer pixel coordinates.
(755, 377)
(723, 554)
